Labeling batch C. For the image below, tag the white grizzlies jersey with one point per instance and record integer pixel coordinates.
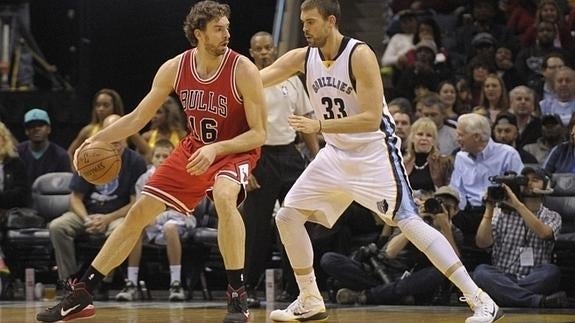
(333, 96)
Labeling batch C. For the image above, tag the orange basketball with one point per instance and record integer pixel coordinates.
(99, 163)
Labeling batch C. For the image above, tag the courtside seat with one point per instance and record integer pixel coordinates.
(31, 247)
(562, 200)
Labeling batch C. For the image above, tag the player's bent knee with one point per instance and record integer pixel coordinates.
(288, 217)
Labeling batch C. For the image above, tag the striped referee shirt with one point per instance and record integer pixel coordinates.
(511, 235)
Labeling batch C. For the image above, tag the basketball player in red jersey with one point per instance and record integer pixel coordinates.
(222, 95)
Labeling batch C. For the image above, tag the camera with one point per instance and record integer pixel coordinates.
(496, 193)
(370, 255)
(433, 205)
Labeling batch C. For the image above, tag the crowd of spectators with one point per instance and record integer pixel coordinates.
(489, 97)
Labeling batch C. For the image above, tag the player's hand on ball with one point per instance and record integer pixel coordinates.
(201, 160)
(77, 151)
(303, 124)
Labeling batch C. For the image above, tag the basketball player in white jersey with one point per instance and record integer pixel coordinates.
(360, 162)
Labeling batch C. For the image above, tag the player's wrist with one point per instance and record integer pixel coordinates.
(319, 126)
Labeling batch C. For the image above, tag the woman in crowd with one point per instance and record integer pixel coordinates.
(494, 97)
(549, 10)
(426, 167)
(104, 103)
(14, 191)
(448, 94)
(167, 123)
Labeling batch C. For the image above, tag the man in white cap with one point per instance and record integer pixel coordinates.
(39, 154)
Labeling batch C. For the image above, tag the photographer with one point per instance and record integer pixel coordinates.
(398, 272)
(521, 233)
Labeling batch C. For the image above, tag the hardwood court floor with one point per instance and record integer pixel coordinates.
(212, 312)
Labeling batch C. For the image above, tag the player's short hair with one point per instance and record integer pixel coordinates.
(325, 7)
(200, 15)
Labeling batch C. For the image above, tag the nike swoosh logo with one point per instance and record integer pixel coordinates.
(63, 312)
(300, 313)
(493, 311)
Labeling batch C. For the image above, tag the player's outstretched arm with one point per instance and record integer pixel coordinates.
(249, 85)
(131, 123)
(284, 67)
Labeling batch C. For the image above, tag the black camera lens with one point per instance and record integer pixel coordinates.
(495, 193)
(432, 205)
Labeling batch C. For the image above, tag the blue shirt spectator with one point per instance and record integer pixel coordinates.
(471, 172)
(479, 158)
(39, 154)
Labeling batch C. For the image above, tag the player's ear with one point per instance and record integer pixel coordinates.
(332, 20)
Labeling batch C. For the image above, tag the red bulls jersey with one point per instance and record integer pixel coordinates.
(213, 106)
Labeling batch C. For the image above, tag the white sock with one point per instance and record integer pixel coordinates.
(175, 273)
(440, 253)
(307, 284)
(133, 274)
(463, 281)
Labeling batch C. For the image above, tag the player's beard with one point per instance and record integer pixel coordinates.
(216, 50)
(318, 41)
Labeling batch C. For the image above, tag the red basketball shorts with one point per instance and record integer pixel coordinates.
(175, 187)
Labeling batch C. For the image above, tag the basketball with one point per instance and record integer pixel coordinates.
(99, 163)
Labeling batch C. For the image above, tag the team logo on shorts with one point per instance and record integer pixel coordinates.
(382, 206)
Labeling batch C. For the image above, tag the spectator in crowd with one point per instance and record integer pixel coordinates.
(563, 103)
(561, 159)
(521, 233)
(571, 17)
(14, 188)
(520, 15)
(494, 97)
(363, 285)
(403, 120)
(449, 95)
(399, 104)
(550, 11)
(39, 154)
(4, 269)
(426, 167)
(505, 131)
(279, 166)
(401, 42)
(464, 95)
(551, 63)
(483, 13)
(168, 123)
(505, 67)
(480, 157)
(522, 105)
(420, 79)
(552, 134)
(168, 229)
(95, 209)
(433, 108)
(104, 103)
(483, 45)
(478, 69)
(529, 61)
(428, 29)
